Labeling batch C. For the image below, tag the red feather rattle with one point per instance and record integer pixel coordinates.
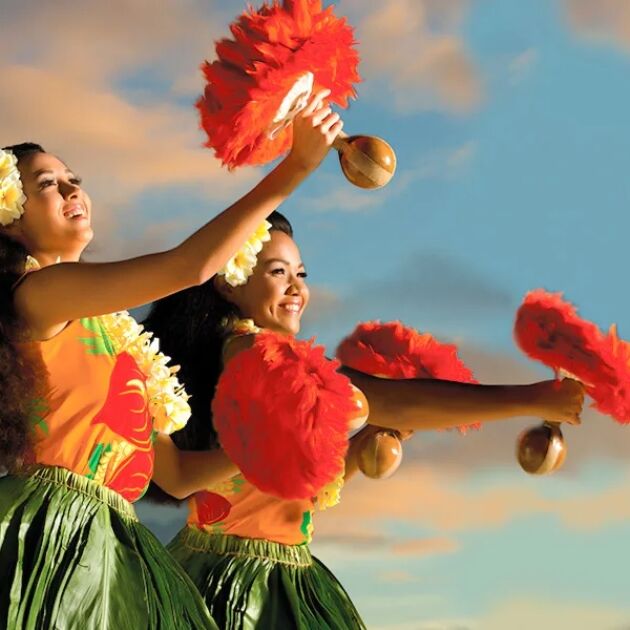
(548, 329)
(395, 351)
(263, 76)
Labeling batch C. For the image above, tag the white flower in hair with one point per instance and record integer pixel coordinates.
(12, 196)
(238, 269)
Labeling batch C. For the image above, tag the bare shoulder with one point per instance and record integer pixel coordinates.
(237, 344)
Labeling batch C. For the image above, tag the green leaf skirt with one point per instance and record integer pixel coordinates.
(250, 583)
(73, 555)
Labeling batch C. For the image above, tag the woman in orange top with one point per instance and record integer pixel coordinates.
(246, 549)
(88, 401)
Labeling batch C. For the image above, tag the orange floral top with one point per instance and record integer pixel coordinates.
(236, 507)
(94, 418)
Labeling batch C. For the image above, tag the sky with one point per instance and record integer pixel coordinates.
(510, 124)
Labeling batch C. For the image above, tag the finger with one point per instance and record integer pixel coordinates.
(320, 115)
(315, 102)
(329, 121)
(334, 132)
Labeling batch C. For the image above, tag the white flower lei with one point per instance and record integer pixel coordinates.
(168, 401)
(12, 198)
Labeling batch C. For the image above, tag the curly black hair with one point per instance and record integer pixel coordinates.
(20, 373)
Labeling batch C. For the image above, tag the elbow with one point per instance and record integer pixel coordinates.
(178, 491)
(180, 494)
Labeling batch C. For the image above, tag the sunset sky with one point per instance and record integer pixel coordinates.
(510, 121)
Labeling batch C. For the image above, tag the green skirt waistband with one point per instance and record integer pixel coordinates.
(198, 540)
(65, 478)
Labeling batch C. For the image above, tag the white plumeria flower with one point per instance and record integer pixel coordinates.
(238, 269)
(12, 198)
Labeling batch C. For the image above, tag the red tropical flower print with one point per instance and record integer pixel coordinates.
(126, 409)
(211, 507)
(132, 477)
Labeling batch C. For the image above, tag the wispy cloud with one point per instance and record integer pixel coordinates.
(415, 49)
(604, 20)
(522, 65)
(108, 103)
(340, 196)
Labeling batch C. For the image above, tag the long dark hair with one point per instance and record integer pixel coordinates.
(18, 373)
(192, 326)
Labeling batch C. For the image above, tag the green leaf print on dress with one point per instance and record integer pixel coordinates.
(99, 344)
(307, 527)
(99, 453)
(39, 409)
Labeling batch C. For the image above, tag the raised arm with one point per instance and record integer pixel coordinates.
(59, 293)
(427, 404)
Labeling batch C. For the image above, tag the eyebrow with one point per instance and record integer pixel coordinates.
(280, 260)
(41, 171)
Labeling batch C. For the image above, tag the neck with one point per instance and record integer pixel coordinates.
(51, 258)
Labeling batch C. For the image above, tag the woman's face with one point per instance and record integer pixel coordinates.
(276, 294)
(57, 212)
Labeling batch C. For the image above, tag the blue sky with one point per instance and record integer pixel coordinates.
(510, 123)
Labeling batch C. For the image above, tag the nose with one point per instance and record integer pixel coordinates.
(293, 288)
(69, 190)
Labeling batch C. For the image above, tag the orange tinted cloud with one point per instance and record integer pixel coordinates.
(425, 546)
(415, 47)
(443, 502)
(603, 20)
(110, 104)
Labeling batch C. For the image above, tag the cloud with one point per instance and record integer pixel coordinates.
(432, 499)
(425, 546)
(522, 65)
(413, 54)
(110, 104)
(604, 20)
(525, 613)
(427, 286)
(340, 196)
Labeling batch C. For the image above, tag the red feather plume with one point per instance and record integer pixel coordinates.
(281, 412)
(549, 330)
(612, 396)
(392, 350)
(270, 48)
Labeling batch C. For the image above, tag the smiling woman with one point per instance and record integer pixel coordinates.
(86, 396)
(280, 411)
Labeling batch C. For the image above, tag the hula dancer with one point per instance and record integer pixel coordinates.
(88, 399)
(277, 413)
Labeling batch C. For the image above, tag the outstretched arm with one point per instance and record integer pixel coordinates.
(427, 404)
(56, 294)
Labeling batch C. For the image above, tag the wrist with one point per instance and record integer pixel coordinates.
(299, 165)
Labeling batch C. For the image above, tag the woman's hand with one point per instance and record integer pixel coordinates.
(558, 401)
(314, 131)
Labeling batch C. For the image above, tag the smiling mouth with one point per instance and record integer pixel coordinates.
(294, 309)
(75, 212)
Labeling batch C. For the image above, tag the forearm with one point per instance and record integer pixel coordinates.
(182, 473)
(427, 404)
(213, 244)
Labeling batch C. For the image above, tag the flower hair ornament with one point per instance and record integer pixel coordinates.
(12, 196)
(238, 269)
